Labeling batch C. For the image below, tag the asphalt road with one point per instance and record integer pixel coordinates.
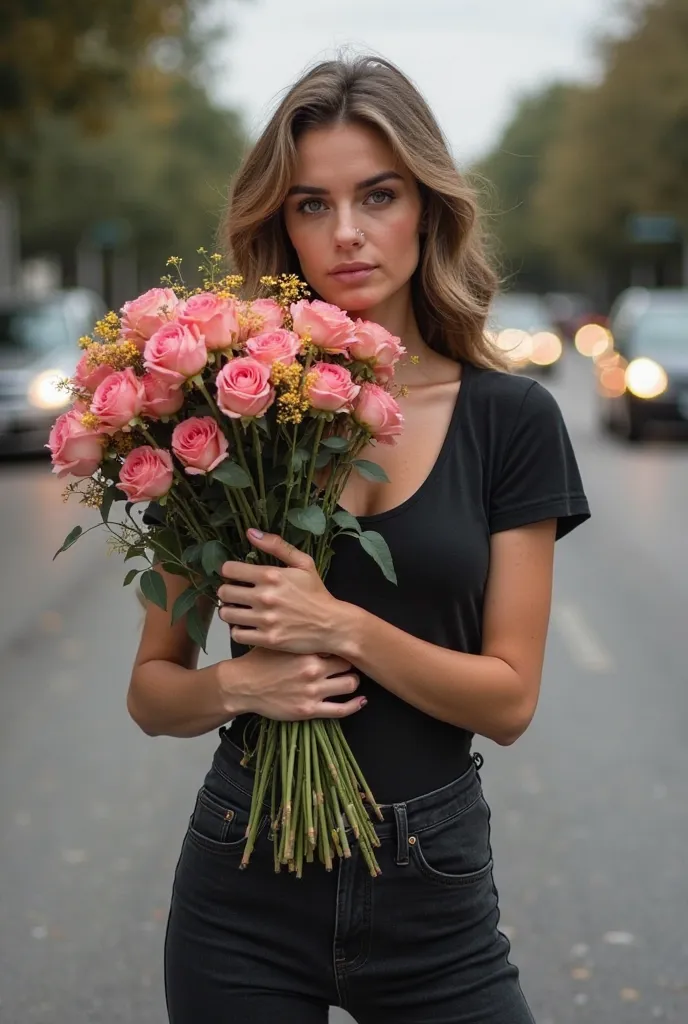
(590, 815)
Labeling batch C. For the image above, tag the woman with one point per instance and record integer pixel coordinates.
(352, 187)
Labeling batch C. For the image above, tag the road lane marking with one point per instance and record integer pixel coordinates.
(584, 646)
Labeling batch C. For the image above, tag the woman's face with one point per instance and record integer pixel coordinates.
(353, 215)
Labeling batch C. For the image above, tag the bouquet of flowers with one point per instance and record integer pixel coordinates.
(207, 414)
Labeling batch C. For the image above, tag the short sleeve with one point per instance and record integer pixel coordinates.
(537, 475)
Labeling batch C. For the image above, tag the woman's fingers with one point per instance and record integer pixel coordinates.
(330, 709)
(337, 686)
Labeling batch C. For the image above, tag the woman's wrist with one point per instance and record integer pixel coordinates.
(232, 700)
(347, 632)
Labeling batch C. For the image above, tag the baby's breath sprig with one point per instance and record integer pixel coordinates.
(90, 492)
(285, 289)
(292, 400)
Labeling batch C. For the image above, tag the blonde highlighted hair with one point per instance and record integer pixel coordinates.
(454, 283)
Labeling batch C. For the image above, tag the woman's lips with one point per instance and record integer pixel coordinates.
(353, 276)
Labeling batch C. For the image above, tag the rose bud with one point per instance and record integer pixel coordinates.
(243, 388)
(118, 400)
(161, 397)
(329, 327)
(142, 317)
(333, 389)
(176, 352)
(199, 444)
(146, 473)
(377, 411)
(216, 319)
(378, 348)
(275, 347)
(74, 448)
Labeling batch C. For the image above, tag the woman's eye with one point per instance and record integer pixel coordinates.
(307, 206)
(380, 197)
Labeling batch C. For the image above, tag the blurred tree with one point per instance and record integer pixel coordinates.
(513, 170)
(623, 147)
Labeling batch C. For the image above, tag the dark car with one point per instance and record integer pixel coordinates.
(521, 324)
(38, 346)
(644, 379)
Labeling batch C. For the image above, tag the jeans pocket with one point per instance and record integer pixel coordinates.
(456, 851)
(220, 816)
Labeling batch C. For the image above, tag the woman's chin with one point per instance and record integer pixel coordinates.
(355, 300)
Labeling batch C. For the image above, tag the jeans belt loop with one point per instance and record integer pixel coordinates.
(401, 819)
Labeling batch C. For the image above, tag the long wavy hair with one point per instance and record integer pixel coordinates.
(454, 282)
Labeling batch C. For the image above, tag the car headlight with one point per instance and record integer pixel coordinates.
(546, 348)
(45, 393)
(645, 378)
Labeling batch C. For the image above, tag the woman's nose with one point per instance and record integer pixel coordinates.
(346, 234)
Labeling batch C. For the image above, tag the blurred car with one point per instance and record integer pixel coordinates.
(570, 311)
(521, 325)
(643, 377)
(39, 346)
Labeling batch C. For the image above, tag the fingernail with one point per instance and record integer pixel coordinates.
(255, 533)
(364, 702)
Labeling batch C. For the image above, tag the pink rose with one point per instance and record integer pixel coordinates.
(333, 389)
(161, 397)
(146, 473)
(379, 413)
(259, 316)
(142, 317)
(74, 448)
(243, 388)
(374, 345)
(328, 326)
(216, 319)
(118, 399)
(90, 377)
(278, 346)
(199, 444)
(175, 353)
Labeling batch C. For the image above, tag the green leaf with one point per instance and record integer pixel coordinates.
(106, 503)
(371, 471)
(131, 575)
(322, 459)
(336, 444)
(301, 457)
(231, 474)
(311, 519)
(212, 557)
(346, 520)
(153, 588)
(263, 425)
(154, 512)
(192, 553)
(175, 569)
(71, 538)
(376, 546)
(135, 551)
(196, 627)
(183, 604)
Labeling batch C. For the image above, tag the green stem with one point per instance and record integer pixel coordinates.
(314, 456)
(258, 449)
(239, 442)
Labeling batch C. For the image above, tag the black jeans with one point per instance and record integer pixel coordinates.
(417, 945)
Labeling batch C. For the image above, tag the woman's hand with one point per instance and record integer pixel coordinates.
(285, 609)
(294, 687)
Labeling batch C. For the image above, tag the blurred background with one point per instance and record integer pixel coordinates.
(120, 127)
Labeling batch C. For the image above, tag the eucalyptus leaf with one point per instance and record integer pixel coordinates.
(213, 556)
(263, 426)
(71, 538)
(346, 521)
(322, 459)
(311, 519)
(192, 553)
(221, 516)
(106, 503)
(376, 546)
(301, 457)
(135, 551)
(371, 471)
(153, 588)
(131, 575)
(232, 474)
(175, 569)
(197, 627)
(184, 603)
(336, 444)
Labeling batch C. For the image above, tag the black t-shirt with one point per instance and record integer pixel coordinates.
(506, 461)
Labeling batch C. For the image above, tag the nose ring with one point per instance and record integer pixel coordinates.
(361, 233)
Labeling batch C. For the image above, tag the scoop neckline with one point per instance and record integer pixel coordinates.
(377, 517)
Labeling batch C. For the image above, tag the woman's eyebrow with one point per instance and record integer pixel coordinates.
(314, 190)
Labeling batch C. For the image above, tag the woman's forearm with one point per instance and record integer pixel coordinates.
(166, 699)
(475, 692)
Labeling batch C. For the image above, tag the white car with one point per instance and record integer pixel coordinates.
(38, 346)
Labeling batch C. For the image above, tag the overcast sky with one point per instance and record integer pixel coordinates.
(470, 58)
